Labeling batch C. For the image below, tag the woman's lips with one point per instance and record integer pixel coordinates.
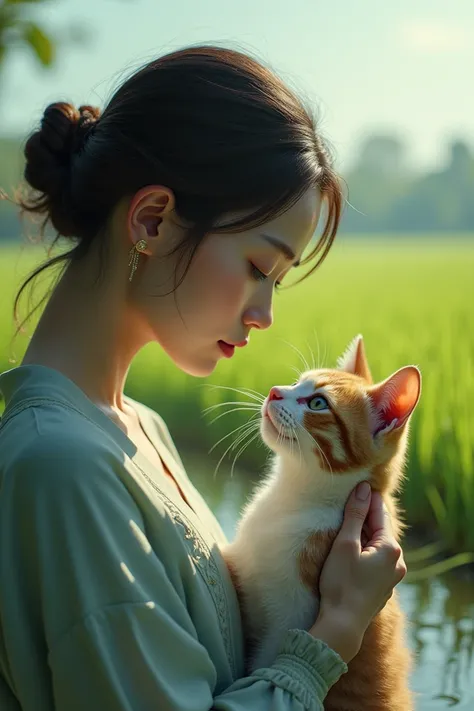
(226, 348)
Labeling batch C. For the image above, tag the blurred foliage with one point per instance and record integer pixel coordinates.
(386, 195)
(21, 29)
(17, 28)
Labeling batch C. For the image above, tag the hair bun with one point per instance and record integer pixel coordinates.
(49, 152)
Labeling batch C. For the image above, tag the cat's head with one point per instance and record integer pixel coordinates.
(338, 421)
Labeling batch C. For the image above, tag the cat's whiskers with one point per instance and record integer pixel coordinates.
(279, 437)
(318, 447)
(319, 365)
(247, 428)
(325, 457)
(241, 450)
(312, 356)
(325, 353)
(250, 428)
(291, 440)
(295, 434)
(235, 409)
(247, 433)
(229, 434)
(291, 444)
(241, 436)
(295, 370)
(251, 405)
(253, 394)
(297, 350)
(244, 407)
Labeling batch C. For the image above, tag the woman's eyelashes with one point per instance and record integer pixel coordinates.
(258, 275)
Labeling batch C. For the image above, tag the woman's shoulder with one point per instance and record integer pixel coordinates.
(41, 422)
(54, 441)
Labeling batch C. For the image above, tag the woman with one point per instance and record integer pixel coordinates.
(188, 201)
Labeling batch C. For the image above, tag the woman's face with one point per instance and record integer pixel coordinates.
(228, 289)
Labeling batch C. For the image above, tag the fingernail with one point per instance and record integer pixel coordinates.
(363, 491)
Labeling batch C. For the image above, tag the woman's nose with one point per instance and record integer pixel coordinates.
(258, 317)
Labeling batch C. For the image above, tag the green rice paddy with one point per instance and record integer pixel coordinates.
(411, 298)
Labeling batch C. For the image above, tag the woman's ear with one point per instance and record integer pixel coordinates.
(145, 216)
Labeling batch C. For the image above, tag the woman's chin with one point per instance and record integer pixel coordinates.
(195, 366)
(199, 363)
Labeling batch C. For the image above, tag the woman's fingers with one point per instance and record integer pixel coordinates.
(355, 514)
(378, 524)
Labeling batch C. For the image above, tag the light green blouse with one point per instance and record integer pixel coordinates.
(113, 593)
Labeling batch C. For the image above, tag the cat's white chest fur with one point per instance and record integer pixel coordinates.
(283, 512)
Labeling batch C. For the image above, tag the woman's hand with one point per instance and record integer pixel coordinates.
(364, 565)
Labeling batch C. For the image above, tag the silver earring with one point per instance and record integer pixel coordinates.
(134, 256)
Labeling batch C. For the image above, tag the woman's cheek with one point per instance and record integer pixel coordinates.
(222, 296)
(222, 274)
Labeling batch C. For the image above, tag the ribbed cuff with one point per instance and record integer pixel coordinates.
(306, 667)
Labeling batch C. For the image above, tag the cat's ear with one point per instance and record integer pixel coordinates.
(354, 360)
(395, 399)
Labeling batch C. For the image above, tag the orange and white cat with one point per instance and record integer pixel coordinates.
(329, 431)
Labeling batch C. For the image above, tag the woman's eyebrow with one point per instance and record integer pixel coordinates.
(282, 247)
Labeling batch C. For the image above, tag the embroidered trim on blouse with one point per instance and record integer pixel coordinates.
(202, 557)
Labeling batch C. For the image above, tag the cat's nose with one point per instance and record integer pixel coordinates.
(275, 394)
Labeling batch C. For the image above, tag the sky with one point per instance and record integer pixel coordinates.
(366, 65)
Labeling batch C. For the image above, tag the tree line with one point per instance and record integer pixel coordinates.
(383, 194)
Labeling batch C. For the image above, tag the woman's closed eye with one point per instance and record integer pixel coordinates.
(258, 275)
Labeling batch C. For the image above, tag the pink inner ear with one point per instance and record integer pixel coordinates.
(395, 410)
(396, 398)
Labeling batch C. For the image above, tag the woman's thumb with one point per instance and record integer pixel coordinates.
(355, 512)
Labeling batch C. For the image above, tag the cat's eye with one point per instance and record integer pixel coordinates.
(318, 403)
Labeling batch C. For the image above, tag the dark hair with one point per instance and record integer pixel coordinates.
(218, 128)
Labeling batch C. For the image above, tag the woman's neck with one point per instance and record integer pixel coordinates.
(86, 333)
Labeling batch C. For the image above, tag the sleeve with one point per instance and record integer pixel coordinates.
(118, 634)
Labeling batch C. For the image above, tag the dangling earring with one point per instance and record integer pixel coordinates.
(134, 256)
